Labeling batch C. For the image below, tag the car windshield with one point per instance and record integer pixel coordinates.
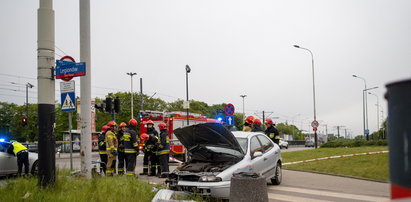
(243, 143)
(224, 151)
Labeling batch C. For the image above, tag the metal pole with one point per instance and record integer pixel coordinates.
(141, 94)
(131, 74)
(27, 111)
(363, 106)
(188, 70)
(46, 93)
(85, 89)
(71, 140)
(243, 96)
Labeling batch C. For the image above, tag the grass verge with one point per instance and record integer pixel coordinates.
(324, 152)
(72, 189)
(368, 166)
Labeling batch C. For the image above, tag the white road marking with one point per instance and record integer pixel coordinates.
(292, 198)
(329, 193)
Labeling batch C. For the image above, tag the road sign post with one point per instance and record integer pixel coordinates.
(68, 104)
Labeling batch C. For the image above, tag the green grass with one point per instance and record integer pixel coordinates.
(324, 152)
(369, 166)
(72, 189)
(373, 166)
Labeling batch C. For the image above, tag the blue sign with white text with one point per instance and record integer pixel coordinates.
(66, 69)
(229, 120)
(68, 102)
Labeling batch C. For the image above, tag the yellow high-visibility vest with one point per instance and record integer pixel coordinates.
(17, 147)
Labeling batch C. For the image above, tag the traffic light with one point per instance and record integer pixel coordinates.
(100, 107)
(24, 121)
(117, 105)
(109, 104)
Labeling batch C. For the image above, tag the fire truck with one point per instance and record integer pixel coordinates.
(173, 120)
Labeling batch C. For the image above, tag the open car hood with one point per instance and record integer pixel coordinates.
(207, 134)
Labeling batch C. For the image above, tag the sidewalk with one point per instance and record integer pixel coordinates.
(75, 155)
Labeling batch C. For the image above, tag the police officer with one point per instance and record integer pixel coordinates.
(130, 141)
(256, 125)
(248, 123)
(271, 131)
(163, 150)
(112, 144)
(102, 148)
(19, 150)
(121, 155)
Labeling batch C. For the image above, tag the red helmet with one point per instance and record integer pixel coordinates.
(112, 124)
(257, 121)
(104, 128)
(132, 122)
(249, 119)
(122, 124)
(269, 121)
(144, 136)
(150, 122)
(162, 126)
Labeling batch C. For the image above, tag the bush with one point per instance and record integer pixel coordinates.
(353, 143)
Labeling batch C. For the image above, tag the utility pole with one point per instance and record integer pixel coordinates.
(28, 85)
(131, 74)
(188, 70)
(141, 94)
(46, 94)
(85, 89)
(243, 96)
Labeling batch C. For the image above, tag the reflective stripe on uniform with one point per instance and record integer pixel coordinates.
(277, 137)
(130, 152)
(272, 135)
(145, 166)
(129, 173)
(163, 152)
(102, 152)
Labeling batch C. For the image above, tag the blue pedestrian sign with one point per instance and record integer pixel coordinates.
(68, 103)
(229, 120)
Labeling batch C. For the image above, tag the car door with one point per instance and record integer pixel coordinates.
(269, 155)
(8, 162)
(257, 163)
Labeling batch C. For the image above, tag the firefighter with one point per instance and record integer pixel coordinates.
(19, 150)
(151, 151)
(144, 138)
(256, 125)
(121, 158)
(111, 144)
(163, 150)
(148, 151)
(130, 140)
(248, 123)
(271, 131)
(102, 148)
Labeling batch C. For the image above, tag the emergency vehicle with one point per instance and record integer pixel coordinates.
(173, 120)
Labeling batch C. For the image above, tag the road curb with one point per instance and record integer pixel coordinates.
(336, 175)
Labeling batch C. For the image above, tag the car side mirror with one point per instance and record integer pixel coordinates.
(257, 154)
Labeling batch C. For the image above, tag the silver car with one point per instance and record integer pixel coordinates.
(215, 154)
(8, 162)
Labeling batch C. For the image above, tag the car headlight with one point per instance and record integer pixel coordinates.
(209, 178)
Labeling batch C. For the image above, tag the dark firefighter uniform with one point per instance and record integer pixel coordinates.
(19, 150)
(148, 151)
(273, 134)
(151, 151)
(112, 145)
(121, 158)
(130, 142)
(102, 150)
(163, 153)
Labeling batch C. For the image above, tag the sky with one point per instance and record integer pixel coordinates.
(233, 47)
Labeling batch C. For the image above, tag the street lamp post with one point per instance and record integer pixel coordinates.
(364, 106)
(312, 66)
(243, 96)
(188, 70)
(378, 110)
(28, 85)
(131, 74)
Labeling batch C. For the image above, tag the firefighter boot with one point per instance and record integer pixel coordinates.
(145, 171)
(152, 171)
(158, 171)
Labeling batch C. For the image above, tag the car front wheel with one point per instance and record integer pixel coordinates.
(35, 168)
(276, 180)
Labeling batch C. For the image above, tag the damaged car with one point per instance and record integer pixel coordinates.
(215, 154)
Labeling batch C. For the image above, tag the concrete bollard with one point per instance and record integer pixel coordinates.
(247, 187)
(399, 138)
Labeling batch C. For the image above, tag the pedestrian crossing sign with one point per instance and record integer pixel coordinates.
(68, 102)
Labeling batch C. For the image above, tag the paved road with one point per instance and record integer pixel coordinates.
(296, 186)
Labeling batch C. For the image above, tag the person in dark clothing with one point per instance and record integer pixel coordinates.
(102, 150)
(163, 150)
(271, 131)
(121, 155)
(150, 150)
(130, 141)
(19, 150)
(256, 125)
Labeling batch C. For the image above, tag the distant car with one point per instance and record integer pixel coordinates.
(8, 162)
(216, 153)
(309, 143)
(283, 144)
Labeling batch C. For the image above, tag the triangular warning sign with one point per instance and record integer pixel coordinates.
(68, 103)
